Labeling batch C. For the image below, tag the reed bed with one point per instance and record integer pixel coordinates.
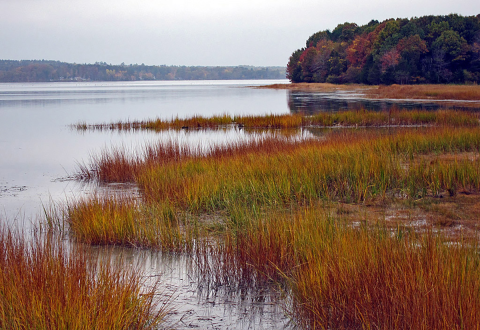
(45, 285)
(282, 121)
(121, 165)
(347, 166)
(342, 277)
(270, 193)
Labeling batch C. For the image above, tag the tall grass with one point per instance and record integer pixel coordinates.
(342, 118)
(355, 278)
(121, 165)
(346, 166)
(123, 221)
(45, 285)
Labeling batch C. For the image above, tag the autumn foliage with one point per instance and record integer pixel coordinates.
(429, 49)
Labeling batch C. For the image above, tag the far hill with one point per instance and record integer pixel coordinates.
(38, 71)
(429, 49)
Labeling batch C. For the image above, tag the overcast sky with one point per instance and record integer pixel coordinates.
(188, 32)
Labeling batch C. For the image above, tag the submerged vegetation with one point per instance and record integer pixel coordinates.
(333, 219)
(45, 284)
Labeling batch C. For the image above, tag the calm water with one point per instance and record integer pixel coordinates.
(39, 150)
(313, 102)
(39, 154)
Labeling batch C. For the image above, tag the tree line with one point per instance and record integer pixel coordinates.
(428, 49)
(42, 71)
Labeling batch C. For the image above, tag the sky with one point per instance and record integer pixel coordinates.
(188, 32)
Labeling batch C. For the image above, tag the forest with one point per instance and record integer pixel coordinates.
(38, 71)
(428, 49)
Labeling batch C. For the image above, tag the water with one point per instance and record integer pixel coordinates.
(40, 152)
(313, 102)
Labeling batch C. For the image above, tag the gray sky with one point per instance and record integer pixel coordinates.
(188, 32)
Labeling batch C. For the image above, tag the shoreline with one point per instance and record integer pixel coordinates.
(431, 93)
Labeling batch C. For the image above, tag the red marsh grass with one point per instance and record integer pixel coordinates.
(282, 121)
(45, 285)
(122, 165)
(354, 278)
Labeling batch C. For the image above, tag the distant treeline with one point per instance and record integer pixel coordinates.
(429, 49)
(35, 71)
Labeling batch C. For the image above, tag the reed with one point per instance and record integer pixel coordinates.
(119, 164)
(46, 285)
(353, 278)
(282, 121)
(350, 167)
(122, 165)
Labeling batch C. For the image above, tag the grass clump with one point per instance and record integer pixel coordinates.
(45, 285)
(123, 221)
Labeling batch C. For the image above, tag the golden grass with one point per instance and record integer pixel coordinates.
(365, 118)
(45, 285)
(435, 92)
(345, 278)
(285, 204)
(346, 166)
(122, 221)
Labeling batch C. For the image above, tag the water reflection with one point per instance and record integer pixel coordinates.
(314, 102)
(198, 301)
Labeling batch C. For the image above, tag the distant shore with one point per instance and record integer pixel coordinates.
(418, 92)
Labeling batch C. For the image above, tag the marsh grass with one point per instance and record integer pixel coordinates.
(435, 92)
(350, 167)
(277, 198)
(283, 121)
(341, 276)
(122, 221)
(119, 164)
(369, 277)
(46, 285)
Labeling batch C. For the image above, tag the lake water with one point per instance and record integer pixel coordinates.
(40, 152)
